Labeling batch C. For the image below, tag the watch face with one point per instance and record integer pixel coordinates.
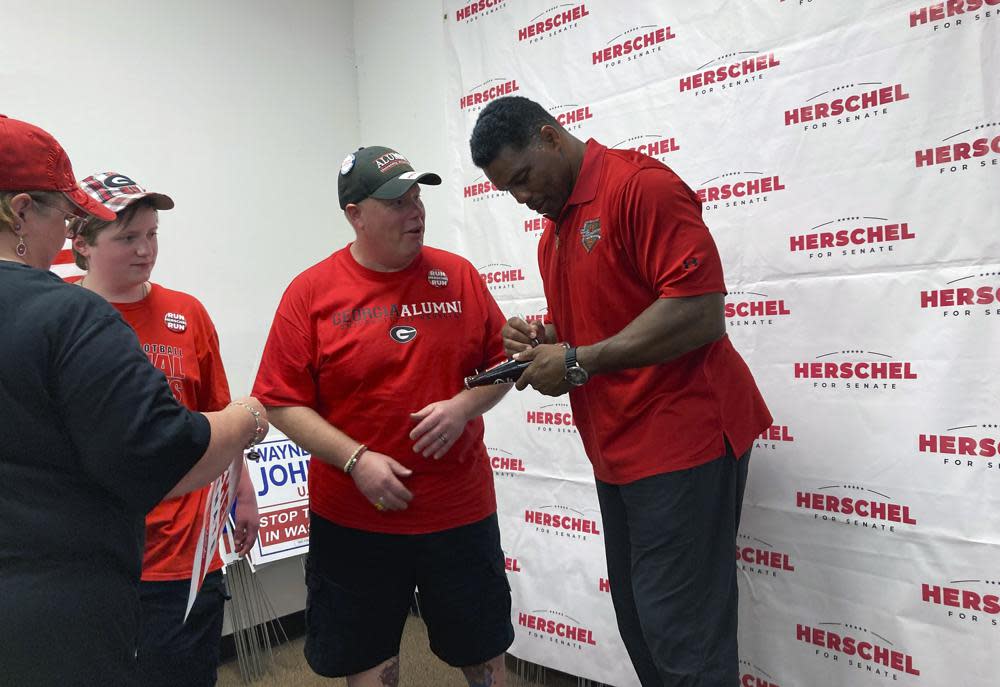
(576, 376)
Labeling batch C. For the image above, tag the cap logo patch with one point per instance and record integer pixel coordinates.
(175, 322)
(403, 333)
(590, 233)
(118, 181)
(347, 165)
(437, 278)
(390, 160)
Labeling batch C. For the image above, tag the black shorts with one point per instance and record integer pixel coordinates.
(175, 653)
(360, 587)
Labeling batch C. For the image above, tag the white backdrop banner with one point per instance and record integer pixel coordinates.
(848, 158)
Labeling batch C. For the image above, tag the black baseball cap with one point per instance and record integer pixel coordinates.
(378, 172)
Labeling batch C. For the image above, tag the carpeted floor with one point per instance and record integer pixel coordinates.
(418, 668)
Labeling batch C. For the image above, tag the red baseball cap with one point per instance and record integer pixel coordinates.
(31, 160)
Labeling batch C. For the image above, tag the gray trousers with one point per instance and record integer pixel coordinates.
(670, 541)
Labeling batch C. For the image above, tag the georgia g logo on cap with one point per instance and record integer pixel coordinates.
(118, 180)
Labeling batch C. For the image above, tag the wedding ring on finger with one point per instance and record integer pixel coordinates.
(379, 505)
(443, 438)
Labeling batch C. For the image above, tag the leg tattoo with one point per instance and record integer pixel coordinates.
(479, 676)
(389, 676)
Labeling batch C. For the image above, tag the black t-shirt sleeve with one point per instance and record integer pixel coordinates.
(131, 434)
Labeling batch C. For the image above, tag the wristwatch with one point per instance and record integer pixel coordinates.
(575, 374)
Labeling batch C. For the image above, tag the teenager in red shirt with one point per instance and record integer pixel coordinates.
(667, 409)
(179, 338)
(363, 368)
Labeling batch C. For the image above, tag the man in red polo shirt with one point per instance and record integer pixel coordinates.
(666, 407)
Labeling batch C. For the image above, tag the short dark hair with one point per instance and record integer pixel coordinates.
(509, 121)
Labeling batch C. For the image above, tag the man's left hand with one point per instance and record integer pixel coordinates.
(547, 372)
(439, 425)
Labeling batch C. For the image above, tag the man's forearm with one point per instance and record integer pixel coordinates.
(665, 330)
(309, 430)
(479, 400)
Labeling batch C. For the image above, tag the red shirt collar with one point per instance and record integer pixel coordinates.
(585, 188)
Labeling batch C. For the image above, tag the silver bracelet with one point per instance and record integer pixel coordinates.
(258, 432)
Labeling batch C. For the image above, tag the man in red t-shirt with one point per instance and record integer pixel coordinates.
(363, 367)
(666, 407)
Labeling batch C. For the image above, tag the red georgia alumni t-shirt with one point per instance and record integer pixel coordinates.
(364, 349)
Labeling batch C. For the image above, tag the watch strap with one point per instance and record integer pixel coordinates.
(571, 357)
